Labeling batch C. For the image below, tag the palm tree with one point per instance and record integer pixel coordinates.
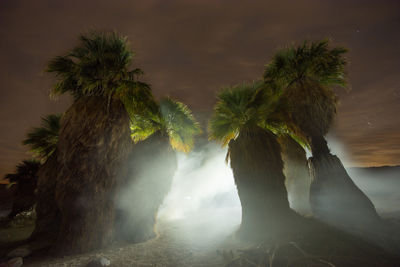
(306, 76)
(25, 179)
(43, 143)
(243, 119)
(158, 130)
(43, 140)
(94, 139)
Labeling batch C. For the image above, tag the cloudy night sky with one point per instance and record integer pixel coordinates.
(189, 49)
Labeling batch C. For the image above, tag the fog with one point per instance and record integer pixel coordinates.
(380, 184)
(203, 201)
(203, 182)
(203, 196)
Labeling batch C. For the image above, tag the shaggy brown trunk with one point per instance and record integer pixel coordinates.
(257, 168)
(152, 166)
(47, 212)
(93, 144)
(334, 197)
(319, 146)
(297, 174)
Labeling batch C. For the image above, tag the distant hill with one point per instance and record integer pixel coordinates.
(391, 172)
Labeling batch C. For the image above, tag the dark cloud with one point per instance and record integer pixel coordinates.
(189, 49)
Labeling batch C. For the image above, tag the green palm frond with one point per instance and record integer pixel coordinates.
(24, 171)
(136, 97)
(180, 124)
(313, 61)
(100, 65)
(145, 124)
(170, 117)
(243, 106)
(305, 75)
(43, 140)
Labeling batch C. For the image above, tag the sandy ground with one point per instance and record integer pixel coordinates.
(194, 240)
(189, 241)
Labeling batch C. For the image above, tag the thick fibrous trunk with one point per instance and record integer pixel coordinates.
(152, 166)
(47, 212)
(319, 146)
(297, 174)
(334, 197)
(93, 145)
(257, 168)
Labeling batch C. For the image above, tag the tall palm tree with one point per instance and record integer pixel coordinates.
(43, 143)
(306, 76)
(94, 139)
(43, 140)
(158, 130)
(243, 119)
(25, 179)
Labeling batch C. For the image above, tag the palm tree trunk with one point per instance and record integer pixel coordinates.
(297, 174)
(47, 212)
(334, 197)
(319, 146)
(257, 168)
(152, 166)
(93, 145)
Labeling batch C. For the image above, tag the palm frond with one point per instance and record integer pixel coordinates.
(96, 66)
(170, 117)
(310, 61)
(305, 75)
(242, 106)
(25, 170)
(136, 97)
(145, 124)
(43, 140)
(180, 124)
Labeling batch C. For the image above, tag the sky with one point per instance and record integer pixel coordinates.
(190, 49)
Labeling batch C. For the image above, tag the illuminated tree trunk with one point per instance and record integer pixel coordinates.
(152, 166)
(297, 174)
(93, 145)
(257, 168)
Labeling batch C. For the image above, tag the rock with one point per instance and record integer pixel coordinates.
(19, 252)
(99, 262)
(15, 262)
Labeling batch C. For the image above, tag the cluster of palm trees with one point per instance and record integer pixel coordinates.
(295, 99)
(108, 161)
(111, 138)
